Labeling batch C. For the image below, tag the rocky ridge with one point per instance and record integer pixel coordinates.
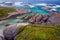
(52, 18)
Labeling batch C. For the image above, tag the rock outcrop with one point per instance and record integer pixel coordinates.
(54, 19)
(2, 38)
(37, 18)
(11, 31)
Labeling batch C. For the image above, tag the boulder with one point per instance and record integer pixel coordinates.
(33, 19)
(7, 24)
(2, 38)
(10, 32)
(54, 19)
(45, 18)
(38, 19)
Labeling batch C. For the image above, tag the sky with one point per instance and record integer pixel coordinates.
(29, 0)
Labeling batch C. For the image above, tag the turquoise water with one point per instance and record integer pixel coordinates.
(58, 9)
(38, 10)
(9, 21)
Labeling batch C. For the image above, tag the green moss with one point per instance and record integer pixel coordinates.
(4, 11)
(39, 32)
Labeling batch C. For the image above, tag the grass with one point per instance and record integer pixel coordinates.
(38, 32)
(4, 11)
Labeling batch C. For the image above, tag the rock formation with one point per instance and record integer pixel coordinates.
(54, 19)
(2, 38)
(37, 18)
(11, 31)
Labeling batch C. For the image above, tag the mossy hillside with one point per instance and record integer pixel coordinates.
(38, 32)
(4, 11)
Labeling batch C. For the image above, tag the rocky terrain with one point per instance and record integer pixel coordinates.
(37, 18)
(52, 18)
(33, 31)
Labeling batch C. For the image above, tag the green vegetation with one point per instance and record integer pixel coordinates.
(38, 32)
(4, 11)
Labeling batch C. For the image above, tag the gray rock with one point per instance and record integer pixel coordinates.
(2, 38)
(10, 32)
(44, 19)
(33, 19)
(54, 19)
(38, 19)
(7, 24)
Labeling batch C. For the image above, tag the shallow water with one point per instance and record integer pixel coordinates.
(1, 29)
(8, 21)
